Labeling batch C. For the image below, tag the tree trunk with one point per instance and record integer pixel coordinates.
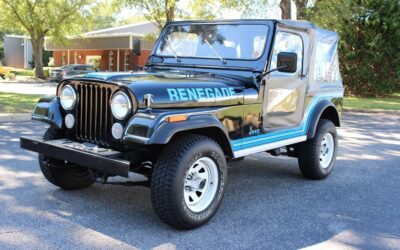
(285, 8)
(301, 6)
(38, 46)
(170, 10)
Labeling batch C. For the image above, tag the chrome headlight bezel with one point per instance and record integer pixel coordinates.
(121, 115)
(62, 97)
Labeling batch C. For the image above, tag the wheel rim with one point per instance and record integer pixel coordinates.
(201, 184)
(326, 150)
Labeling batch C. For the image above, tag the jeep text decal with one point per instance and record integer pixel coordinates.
(194, 94)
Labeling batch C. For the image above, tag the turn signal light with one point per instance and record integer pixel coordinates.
(177, 118)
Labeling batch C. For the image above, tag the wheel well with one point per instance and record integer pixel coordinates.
(214, 133)
(330, 113)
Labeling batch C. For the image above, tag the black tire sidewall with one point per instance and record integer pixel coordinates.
(58, 173)
(327, 127)
(199, 150)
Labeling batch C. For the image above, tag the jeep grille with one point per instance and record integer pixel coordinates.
(93, 114)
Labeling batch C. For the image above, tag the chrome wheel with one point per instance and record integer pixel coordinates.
(201, 184)
(326, 150)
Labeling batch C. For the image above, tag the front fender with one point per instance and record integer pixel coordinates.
(48, 110)
(148, 129)
(167, 130)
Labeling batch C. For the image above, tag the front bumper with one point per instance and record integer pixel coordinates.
(105, 160)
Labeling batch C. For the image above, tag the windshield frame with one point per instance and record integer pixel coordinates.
(256, 64)
(217, 58)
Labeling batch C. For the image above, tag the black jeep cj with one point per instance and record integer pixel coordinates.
(211, 92)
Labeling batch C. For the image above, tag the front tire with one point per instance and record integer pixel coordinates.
(63, 174)
(188, 181)
(317, 156)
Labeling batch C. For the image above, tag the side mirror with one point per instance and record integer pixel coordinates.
(136, 47)
(287, 62)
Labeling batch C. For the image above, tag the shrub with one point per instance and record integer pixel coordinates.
(24, 72)
(47, 71)
(10, 75)
(1, 53)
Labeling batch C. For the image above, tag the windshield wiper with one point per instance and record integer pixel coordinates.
(215, 52)
(173, 51)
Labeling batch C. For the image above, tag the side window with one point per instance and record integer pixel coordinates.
(89, 69)
(79, 68)
(326, 63)
(287, 42)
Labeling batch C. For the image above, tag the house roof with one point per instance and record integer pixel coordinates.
(142, 28)
(18, 36)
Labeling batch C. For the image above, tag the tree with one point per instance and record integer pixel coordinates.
(369, 32)
(157, 11)
(41, 18)
(286, 7)
(162, 11)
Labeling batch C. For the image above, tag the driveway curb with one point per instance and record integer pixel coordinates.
(24, 117)
(372, 111)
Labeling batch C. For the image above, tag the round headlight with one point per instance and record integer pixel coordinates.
(121, 105)
(68, 97)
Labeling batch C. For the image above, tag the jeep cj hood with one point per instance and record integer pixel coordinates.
(177, 89)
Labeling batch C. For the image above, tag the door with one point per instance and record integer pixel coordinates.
(284, 94)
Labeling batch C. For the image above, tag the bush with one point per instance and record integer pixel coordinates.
(47, 71)
(24, 72)
(10, 75)
(1, 53)
(369, 32)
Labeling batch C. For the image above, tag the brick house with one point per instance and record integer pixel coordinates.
(108, 49)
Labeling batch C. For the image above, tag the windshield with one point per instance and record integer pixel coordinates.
(219, 41)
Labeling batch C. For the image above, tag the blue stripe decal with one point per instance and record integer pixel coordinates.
(253, 141)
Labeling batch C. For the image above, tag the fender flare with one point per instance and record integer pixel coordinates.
(159, 131)
(319, 110)
(167, 130)
(48, 110)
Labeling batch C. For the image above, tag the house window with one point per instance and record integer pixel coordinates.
(63, 59)
(75, 57)
(111, 61)
(126, 64)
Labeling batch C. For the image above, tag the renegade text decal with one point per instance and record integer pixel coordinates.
(194, 94)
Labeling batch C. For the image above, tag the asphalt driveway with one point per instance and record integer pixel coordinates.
(267, 204)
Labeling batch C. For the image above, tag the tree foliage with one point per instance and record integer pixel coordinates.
(162, 11)
(156, 11)
(40, 18)
(369, 44)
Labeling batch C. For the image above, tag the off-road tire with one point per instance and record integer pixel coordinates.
(167, 182)
(60, 173)
(309, 152)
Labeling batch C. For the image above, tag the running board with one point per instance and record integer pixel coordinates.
(269, 146)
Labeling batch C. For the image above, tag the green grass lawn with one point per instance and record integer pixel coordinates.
(17, 103)
(389, 103)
